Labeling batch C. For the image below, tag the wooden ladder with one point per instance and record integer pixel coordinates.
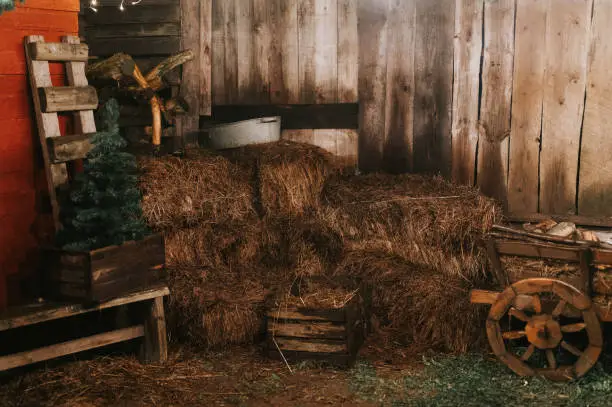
(78, 97)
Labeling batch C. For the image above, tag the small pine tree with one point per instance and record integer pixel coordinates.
(7, 5)
(103, 205)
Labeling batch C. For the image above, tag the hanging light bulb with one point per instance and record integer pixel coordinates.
(121, 6)
(93, 4)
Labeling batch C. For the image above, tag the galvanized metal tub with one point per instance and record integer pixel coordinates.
(242, 133)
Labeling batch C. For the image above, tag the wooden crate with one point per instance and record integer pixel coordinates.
(331, 335)
(106, 273)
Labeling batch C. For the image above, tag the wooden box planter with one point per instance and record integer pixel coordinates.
(330, 335)
(103, 274)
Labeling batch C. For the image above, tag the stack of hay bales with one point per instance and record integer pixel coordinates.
(241, 228)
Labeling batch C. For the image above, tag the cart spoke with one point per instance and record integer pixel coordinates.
(513, 334)
(537, 304)
(528, 352)
(571, 349)
(550, 357)
(573, 327)
(559, 308)
(518, 315)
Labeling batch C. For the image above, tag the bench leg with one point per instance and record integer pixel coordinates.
(155, 346)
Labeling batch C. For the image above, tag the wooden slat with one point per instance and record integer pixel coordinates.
(516, 248)
(326, 51)
(348, 51)
(67, 348)
(134, 30)
(284, 61)
(468, 50)
(137, 46)
(399, 104)
(68, 148)
(527, 96)
(48, 125)
(68, 98)
(218, 52)
(434, 90)
(601, 256)
(230, 46)
(595, 192)
(155, 346)
(205, 57)
(52, 51)
(373, 16)
(24, 316)
(308, 330)
(494, 129)
(483, 296)
(188, 125)
(246, 54)
(568, 27)
(307, 315)
(597, 221)
(261, 34)
(138, 15)
(312, 345)
(306, 50)
(333, 116)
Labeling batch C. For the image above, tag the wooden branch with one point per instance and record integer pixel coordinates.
(538, 236)
(115, 68)
(154, 77)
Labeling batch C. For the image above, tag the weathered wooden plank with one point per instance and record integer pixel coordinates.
(307, 315)
(398, 154)
(155, 346)
(295, 117)
(602, 256)
(134, 30)
(435, 23)
(68, 348)
(312, 345)
(308, 330)
(68, 148)
(230, 72)
(47, 124)
(218, 53)
(373, 21)
(517, 248)
(307, 47)
(468, 51)
(245, 51)
(205, 48)
(188, 125)
(24, 316)
(567, 34)
(54, 51)
(262, 45)
(284, 61)
(348, 51)
(136, 46)
(527, 98)
(141, 14)
(595, 188)
(578, 220)
(68, 98)
(494, 129)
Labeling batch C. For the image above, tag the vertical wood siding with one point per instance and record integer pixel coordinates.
(23, 225)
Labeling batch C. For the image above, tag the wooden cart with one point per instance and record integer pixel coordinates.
(541, 325)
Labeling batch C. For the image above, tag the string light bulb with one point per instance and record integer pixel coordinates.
(93, 4)
(121, 7)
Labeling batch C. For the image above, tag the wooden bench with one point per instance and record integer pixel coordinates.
(152, 328)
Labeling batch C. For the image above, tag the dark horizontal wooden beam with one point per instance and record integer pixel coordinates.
(68, 98)
(294, 117)
(594, 221)
(137, 46)
(108, 15)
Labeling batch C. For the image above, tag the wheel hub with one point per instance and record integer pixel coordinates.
(544, 332)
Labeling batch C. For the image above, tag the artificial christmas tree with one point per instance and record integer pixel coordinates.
(103, 206)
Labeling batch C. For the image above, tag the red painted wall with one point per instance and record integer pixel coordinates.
(22, 182)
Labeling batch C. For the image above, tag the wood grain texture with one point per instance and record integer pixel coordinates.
(497, 68)
(262, 46)
(219, 96)
(155, 346)
(188, 125)
(143, 46)
(527, 97)
(68, 98)
(348, 51)
(133, 30)
(373, 20)
(68, 148)
(244, 48)
(435, 22)
(284, 60)
(53, 51)
(595, 182)
(468, 51)
(306, 53)
(205, 57)
(399, 104)
(568, 30)
(107, 15)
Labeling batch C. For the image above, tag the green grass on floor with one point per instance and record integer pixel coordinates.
(473, 380)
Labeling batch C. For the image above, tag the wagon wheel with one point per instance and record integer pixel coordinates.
(524, 300)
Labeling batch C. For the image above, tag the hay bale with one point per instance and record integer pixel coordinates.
(287, 177)
(214, 308)
(202, 187)
(231, 244)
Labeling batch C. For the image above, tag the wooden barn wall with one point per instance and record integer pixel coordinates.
(23, 223)
(287, 52)
(510, 95)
